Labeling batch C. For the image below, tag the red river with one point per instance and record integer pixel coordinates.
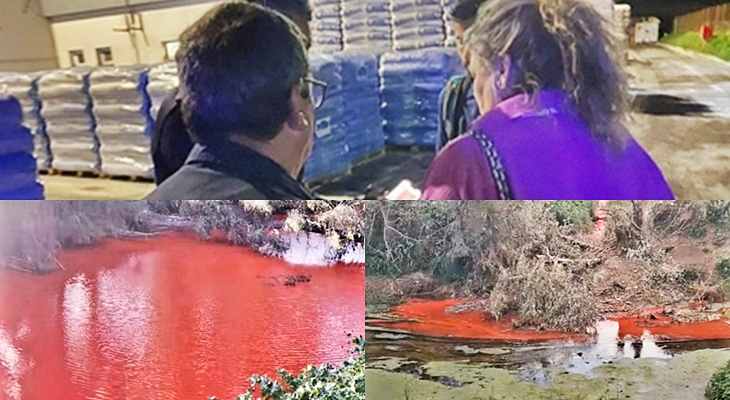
(430, 317)
(169, 318)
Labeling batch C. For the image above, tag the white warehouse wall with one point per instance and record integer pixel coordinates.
(161, 25)
(26, 42)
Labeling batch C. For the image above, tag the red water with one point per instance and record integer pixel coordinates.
(169, 318)
(433, 320)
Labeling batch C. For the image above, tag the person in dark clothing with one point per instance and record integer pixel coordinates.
(458, 106)
(248, 105)
(171, 141)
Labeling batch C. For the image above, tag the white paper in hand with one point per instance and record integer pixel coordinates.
(404, 191)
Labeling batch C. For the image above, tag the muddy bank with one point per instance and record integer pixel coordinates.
(680, 378)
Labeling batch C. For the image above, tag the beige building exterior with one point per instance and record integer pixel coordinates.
(26, 42)
(147, 37)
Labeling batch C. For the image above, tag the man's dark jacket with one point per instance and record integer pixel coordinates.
(224, 170)
(171, 143)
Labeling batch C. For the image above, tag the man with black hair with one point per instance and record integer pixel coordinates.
(458, 107)
(171, 142)
(248, 100)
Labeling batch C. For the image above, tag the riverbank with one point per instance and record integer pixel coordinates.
(39, 229)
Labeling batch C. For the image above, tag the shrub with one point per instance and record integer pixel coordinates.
(325, 382)
(723, 267)
(719, 386)
(576, 213)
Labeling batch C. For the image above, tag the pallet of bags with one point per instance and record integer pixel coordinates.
(417, 24)
(329, 153)
(122, 120)
(326, 26)
(162, 80)
(67, 111)
(447, 7)
(24, 87)
(363, 125)
(17, 163)
(366, 25)
(410, 86)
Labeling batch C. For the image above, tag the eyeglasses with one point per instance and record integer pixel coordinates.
(317, 90)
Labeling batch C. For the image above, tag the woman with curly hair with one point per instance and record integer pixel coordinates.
(552, 99)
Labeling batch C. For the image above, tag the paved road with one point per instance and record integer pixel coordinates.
(692, 150)
(681, 73)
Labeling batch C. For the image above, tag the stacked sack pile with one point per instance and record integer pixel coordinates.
(24, 87)
(330, 151)
(417, 24)
(364, 125)
(326, 26)
(122, 117)
(161, 81)
(410, 86)
(366, 24)
(67, 110)
(447, 6)
(17, 163)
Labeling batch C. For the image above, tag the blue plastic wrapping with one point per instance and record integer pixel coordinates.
(410, 85)
(363, 125)
(330, 151)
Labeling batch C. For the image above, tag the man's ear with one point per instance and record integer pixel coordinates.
(298, 120)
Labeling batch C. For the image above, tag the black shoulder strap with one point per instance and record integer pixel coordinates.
(495, 165)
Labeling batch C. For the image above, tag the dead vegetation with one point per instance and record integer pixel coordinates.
(525, 258)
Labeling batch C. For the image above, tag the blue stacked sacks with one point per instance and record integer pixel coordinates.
(410, 85)
(24, 87)
(366, 25)
(417, 24)
(122, 120)
(67, 110)
(17, 163)
(326, 26)
(330, 152)
(363, 125)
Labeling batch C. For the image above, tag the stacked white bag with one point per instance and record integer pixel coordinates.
(417, 24)
(122, 120)
(163, 79)
(70, 125)
(367, 25)
(447, 6)
(326, 26)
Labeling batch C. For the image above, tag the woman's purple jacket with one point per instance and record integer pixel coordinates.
(548, 153)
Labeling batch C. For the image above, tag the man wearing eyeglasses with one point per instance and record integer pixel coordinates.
(248, 100)
(171, 142)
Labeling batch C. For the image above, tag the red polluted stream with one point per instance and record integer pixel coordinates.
(429, 317)
(169, 318)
